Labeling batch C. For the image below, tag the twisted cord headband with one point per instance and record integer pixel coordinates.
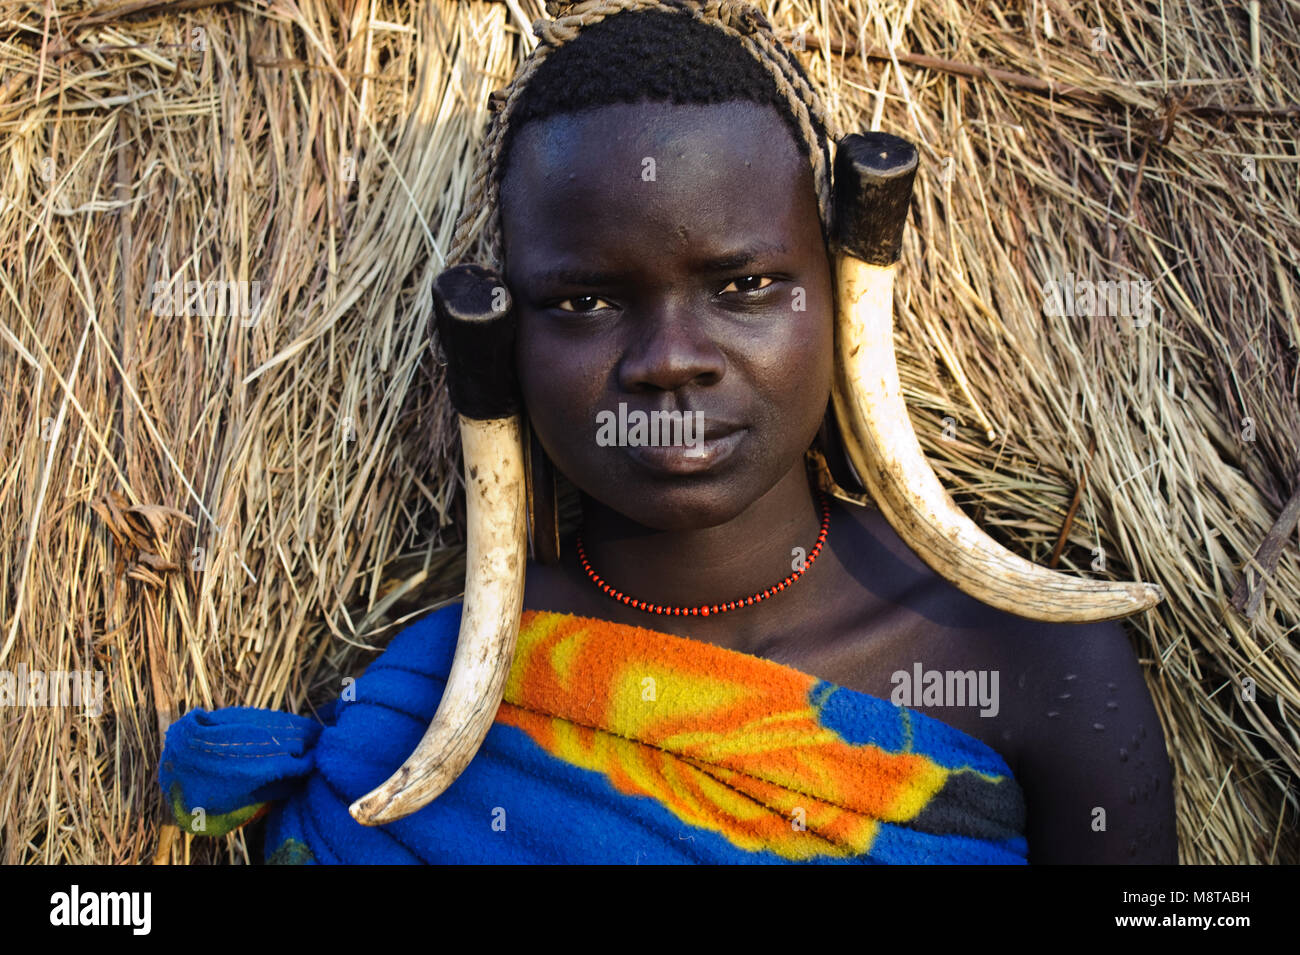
(736, 18)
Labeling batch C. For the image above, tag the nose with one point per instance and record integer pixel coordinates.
(670, 350)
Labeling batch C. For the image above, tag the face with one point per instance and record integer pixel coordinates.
(669, 258)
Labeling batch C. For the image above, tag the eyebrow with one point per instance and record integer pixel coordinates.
(729, 262)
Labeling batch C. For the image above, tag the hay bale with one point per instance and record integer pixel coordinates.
(220, 492)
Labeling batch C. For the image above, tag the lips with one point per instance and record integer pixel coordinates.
(720, 443)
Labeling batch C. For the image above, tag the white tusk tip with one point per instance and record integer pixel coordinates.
(364, 812)
(381, 806)
(1151, 594)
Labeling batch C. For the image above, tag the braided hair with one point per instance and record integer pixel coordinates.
(601, 52)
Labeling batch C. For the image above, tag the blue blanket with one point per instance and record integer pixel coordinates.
(614, 744)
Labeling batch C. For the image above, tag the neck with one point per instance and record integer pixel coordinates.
(709, 565)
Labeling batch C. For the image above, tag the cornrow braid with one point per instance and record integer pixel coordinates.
(600, 52)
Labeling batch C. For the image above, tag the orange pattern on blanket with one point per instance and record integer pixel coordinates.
(725, 741)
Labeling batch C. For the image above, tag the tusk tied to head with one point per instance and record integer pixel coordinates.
(884, 450)
(476, 328)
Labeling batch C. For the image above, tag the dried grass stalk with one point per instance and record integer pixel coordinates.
(221, 509)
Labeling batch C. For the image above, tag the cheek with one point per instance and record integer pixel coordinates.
(794, 370)
(561, 384)
(819, 362)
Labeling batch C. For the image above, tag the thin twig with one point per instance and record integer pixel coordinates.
(1074, 506)
(1035, 84)
(1248, 593)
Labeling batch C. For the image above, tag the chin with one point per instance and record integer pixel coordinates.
(672, 502)
(677, 512)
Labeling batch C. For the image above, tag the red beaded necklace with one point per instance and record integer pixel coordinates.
(705, 610)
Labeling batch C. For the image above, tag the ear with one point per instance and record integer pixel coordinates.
(831, 466)
(543, 504)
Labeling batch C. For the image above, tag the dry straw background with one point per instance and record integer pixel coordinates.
(217, 513)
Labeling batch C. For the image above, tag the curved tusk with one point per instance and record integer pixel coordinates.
(873, 181)
(496, 515)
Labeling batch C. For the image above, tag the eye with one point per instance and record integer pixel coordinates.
(589, 299)
(746, 282)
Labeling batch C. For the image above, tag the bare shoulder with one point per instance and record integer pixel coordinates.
(1075, 722)
(1092, 758)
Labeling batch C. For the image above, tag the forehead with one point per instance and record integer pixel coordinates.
(641, 179)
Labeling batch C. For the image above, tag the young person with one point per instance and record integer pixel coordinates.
(663, 201)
